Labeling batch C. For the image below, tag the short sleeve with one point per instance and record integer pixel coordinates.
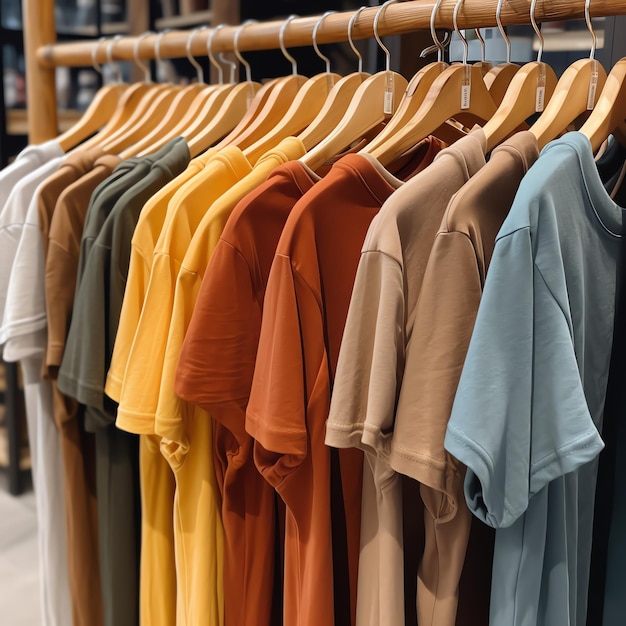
(82, 371)
(371, 358)
(218, 355)
(444, 318)
(276, 412)
(132, 304)
(520, 418)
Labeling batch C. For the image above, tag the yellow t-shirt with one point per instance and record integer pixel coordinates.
(173, 414)
(147, 232)
(142, 378)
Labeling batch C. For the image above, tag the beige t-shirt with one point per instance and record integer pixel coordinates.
(448, 287)
(370, 372)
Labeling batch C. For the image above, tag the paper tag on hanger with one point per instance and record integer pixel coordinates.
(388, 99)
(593, 87)
(466, 89)
(540, 94)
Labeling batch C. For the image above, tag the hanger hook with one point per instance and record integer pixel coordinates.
(199, 70)
(147, 78)
(433, 33)
(591, 29)
(209, 47)
(533, 21)
(480, 38)
(231, 64)
(455, 17)
(503, 31)
(111, 61)
(351, 24)
(157, 44)
(384, 48)
(281, 39)
(236, 49)
(94, 55)
(315, 46)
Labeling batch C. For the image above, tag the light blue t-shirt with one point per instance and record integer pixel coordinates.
(528, 410)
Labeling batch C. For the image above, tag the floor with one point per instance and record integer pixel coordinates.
(19, 572)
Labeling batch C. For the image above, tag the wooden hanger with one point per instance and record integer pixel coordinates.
(184, 106)
(99, 111)
(458, 90)
(417, 89)
(610, 111)
(499, 78)
(136, 98)
(278, 101)
(374, 102)
(307, 104)
(339, 97)
(531, 88)
(575, 94)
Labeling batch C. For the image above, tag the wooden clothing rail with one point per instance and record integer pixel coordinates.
(43, 54)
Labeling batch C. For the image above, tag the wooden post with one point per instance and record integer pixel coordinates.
(39, 30)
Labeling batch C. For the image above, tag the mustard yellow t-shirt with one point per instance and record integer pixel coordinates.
(173, 413)
(142, 378)
(144, 241)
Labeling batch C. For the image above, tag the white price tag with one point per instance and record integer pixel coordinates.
(540, 99)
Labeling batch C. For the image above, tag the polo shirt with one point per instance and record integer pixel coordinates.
(215, 373)
(87, 353)
(529, 405)
(304, 312)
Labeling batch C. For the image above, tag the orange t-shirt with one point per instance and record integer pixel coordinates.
(215, 372)
(304, 313)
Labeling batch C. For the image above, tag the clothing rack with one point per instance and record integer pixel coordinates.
(43, 54)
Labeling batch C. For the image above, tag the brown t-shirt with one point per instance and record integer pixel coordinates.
(215, 372)
(75, 165)
(304, 312)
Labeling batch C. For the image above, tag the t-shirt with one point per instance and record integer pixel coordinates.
(75, 165)
(88, 350)
(142, 378)
(99, 295)
(143, 242)
(530, 400)
(372, 368)
(27, 161)
(172, 412)
(215, 372)
(304, 311)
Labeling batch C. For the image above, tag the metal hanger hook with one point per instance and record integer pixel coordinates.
(315, 46)
(455, 18)
(433, 32)
(94, 55)
(209, 48)
(199, 70)
(533, 21)
(483, 51)
(231, 64)
(236, 49)
(384, 48)
(147, 78)
(503, 31)
(591, 29)
(351, 24)
(111, 61)
(281, 40)
(157, 44)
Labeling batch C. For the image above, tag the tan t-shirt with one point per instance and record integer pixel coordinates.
(370, 371)
(448, 288)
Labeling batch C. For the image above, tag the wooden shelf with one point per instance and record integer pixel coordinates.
(17, 120)
(198, 18)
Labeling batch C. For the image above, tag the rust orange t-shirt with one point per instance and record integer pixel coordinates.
(215, 372)
(304, 313)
